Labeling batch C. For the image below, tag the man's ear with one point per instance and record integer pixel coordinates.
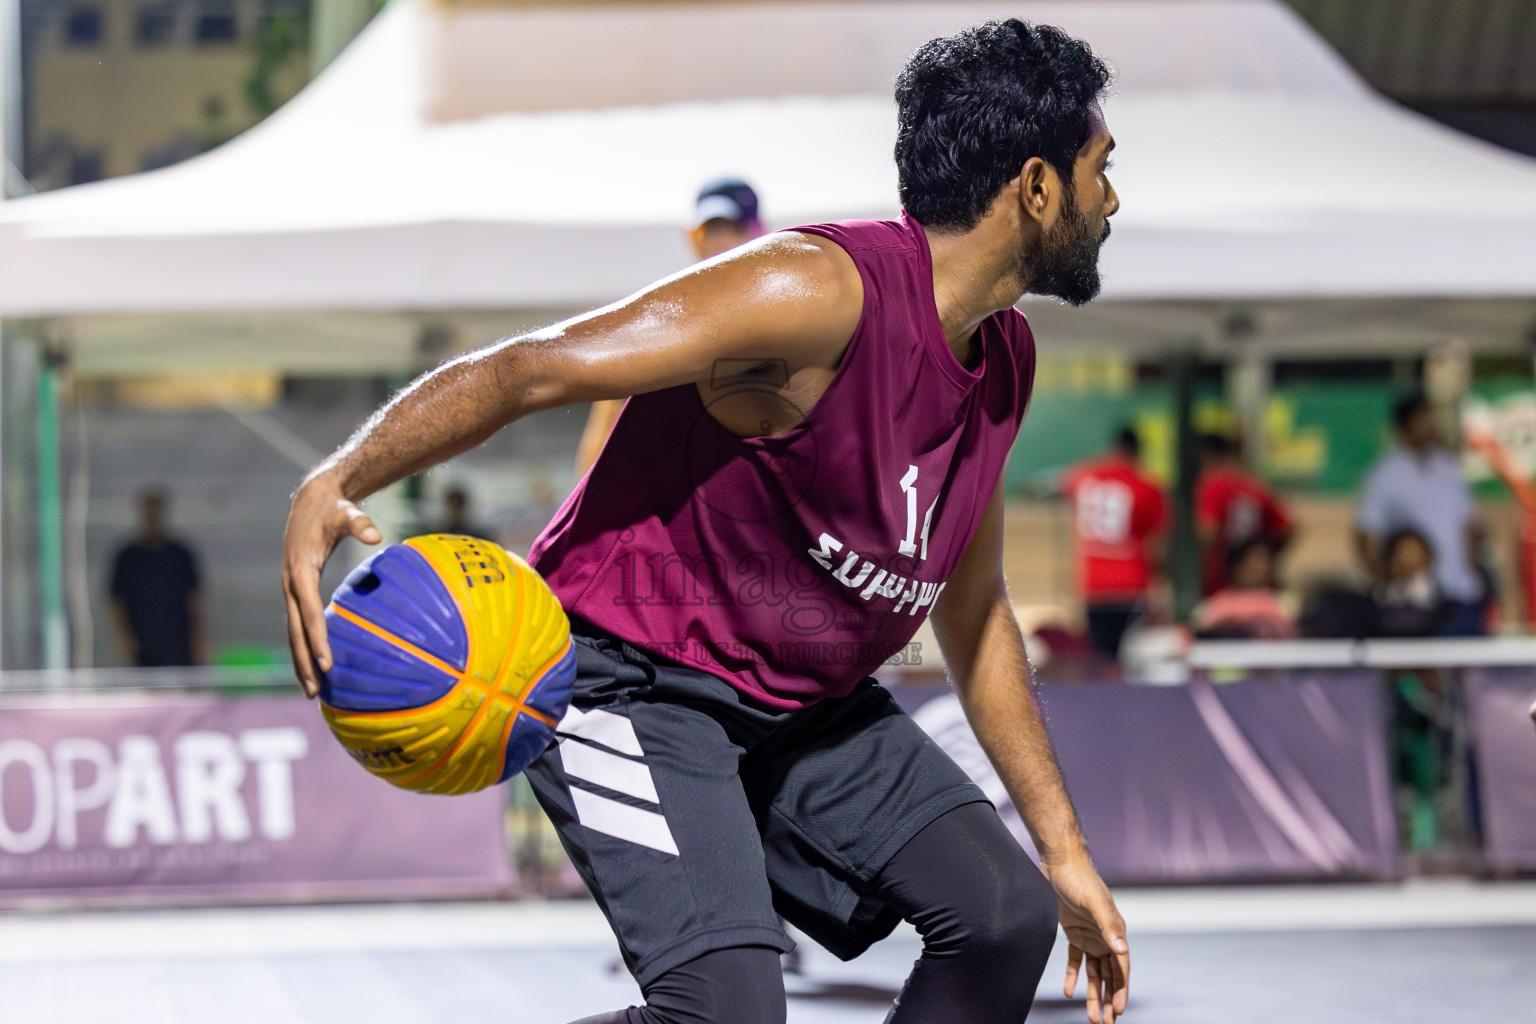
(1035, 185)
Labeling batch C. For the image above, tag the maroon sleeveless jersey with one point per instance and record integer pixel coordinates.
(793, 566)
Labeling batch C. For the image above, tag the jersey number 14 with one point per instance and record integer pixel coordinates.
(909, 545)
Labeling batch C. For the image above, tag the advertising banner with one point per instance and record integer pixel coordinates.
(1504, 744)
(146, 798)
(1275, 778)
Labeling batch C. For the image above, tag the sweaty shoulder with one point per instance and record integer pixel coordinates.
(856, 235)
(820, 258)
(807, 285)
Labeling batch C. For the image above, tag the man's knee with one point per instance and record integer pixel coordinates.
(742, 985)
(1031, 931)
(995, 906)
(986, 914)
(1011, 917)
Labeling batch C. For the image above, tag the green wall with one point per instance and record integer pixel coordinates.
(1322, 437)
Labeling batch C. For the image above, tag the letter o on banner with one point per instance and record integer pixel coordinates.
(35, 835)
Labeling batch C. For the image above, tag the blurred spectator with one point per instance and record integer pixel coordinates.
(520, 524)
(1249, 604)
(1408, 601)
(725, 215)
(155, 601)
(1336, 609)
(1233, 508)
(1119, 517)
(1420, 487)
(456, 518)
(1060, 651)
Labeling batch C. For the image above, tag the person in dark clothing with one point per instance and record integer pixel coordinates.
(155, 581)
(1408, 600)
(457, 520)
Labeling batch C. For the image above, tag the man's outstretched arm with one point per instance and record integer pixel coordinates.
(984, 652)
(791, 297)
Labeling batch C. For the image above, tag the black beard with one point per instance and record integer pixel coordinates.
(1068, 264)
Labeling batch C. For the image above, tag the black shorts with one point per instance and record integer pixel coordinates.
(697, 816)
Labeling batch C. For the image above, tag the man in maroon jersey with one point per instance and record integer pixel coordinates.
(807, 467)
(1118, 516)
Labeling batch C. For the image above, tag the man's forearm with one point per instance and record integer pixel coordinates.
(998, 693)
(440, 414)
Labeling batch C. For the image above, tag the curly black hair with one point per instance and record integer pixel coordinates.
(974, 106)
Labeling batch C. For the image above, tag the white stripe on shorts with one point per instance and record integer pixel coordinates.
(611, 771)
(613, 731)
(611, 818)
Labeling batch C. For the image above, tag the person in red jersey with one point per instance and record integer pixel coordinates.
(807, 467)
(1233, 508)
(1118, 518)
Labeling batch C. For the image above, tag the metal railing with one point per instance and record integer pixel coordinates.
(199, 678)
(1470, 652)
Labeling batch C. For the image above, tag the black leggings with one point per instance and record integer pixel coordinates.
(986, 915)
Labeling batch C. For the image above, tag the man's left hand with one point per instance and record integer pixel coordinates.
(1095, 938)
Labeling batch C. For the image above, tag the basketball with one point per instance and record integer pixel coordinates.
(452, 664)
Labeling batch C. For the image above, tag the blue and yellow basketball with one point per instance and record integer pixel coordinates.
(452, 664)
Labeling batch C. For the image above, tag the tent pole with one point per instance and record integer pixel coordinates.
(11, 110)
(1250, 378)
(5, 498)
(1183, 546)
(50, 516)
(11, 183)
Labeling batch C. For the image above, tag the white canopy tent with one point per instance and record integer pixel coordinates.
(467, 169)
(543, 159)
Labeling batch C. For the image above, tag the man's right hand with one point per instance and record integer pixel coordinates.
(319, 518)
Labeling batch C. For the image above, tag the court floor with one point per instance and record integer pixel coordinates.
(1442, 953)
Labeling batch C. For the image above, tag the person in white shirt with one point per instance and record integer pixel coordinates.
(1419, 486)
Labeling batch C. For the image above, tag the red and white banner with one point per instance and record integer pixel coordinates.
(147, 797)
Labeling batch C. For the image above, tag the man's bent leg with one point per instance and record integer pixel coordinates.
(987, 917)
(643, 789)
(727, 986)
